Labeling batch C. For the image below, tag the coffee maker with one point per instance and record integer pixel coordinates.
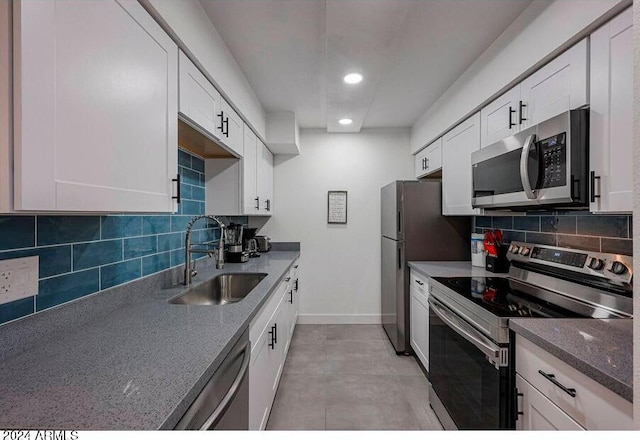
(249, 242)
(234, 252)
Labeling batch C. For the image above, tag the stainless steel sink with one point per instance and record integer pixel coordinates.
(223, 289)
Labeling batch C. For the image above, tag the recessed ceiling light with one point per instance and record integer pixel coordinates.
(345, 121)
(353, 78)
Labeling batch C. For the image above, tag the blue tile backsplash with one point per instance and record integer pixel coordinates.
(573, 229)
(80, 255)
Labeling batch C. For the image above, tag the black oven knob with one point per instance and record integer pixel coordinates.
(595, 263)
(618, 268)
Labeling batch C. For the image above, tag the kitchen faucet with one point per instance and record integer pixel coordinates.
(190, 272)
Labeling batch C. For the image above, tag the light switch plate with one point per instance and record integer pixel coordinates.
(18, 278)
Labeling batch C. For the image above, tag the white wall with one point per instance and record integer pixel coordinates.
(189, 23)
(340, 264)
(636, 212)
(542, 29)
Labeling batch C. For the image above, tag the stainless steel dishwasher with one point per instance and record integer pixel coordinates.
(224, 400)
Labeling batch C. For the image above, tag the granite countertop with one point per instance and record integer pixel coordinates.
(451, 269)
(137, 365)
(600, 348)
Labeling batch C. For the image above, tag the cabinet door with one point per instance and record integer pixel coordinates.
(231, 127)
(265, 179)
(199, 101)
(501, 118)
(611, 115)
(96, 100)
(559, 86)
(538, 412)
(260, 382)
(457, 147)
(420, 327)
(250, 201)
(429, 160)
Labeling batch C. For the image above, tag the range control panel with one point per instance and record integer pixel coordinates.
(614, 267)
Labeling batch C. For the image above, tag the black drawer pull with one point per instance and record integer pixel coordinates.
(290, 296)
(420, 282)
(511, 123)
(552, 378)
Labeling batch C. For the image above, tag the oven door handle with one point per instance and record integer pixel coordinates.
(496, 354)
(524, 167)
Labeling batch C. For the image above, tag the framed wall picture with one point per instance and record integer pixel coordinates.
(337, 207)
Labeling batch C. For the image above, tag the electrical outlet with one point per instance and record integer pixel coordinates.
(18, 278)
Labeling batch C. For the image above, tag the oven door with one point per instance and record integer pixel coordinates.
(468, 373)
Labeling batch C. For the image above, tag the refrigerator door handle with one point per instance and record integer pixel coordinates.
(399, 258)
(399, 221)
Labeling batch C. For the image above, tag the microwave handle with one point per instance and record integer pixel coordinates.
(524, 167)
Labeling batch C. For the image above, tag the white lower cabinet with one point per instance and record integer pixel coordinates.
(419, 317)
(270, 333)
(554, 395)
(539, 413)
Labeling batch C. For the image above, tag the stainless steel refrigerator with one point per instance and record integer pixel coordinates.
(414, 229)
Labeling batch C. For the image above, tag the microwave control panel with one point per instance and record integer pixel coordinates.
(553, 152)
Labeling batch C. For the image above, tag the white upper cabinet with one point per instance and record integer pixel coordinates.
(230, 128)
(501, 118)
(95, 105)
(250, 200)
(199, 102)
(429, 160)
(557, 87)
(457, 146)
(611, 116)
(264, 175)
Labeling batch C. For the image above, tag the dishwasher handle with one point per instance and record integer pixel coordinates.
(231, 394)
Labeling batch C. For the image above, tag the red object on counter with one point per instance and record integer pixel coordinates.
(490, 243)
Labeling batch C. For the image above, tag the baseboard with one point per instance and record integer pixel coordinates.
(339, 319)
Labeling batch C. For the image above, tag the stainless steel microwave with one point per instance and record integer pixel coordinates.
(541, 167)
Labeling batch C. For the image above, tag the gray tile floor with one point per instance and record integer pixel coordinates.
(348, 377)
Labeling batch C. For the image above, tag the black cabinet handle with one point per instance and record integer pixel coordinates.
(594, 196)
(552, 378)
(511, 123)
(275, 333)
(177, 196)
(272, 343)
(295, 286)
(291, 296)
(287, 279)
(420, 282)
(424, 163)
(295, 267)
(226, 124)
(257, 199)
(221, 127)
(427, 159)
(522, 106)
(267, 204)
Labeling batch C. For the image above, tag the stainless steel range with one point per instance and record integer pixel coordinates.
(470, 346)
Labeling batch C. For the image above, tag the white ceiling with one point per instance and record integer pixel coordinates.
(294, 53)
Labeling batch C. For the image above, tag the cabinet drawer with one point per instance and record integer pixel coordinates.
(593, 406)
(420, 283)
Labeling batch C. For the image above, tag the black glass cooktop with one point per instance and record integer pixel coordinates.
(501, 297)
